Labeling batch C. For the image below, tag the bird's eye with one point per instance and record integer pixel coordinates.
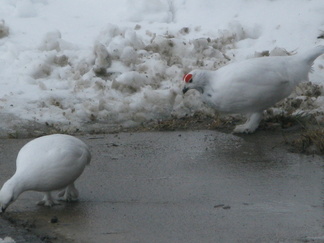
(187, 78)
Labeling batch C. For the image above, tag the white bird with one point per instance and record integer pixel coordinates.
(252, 85)
(47, 164)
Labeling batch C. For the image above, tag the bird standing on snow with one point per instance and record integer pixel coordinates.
(46, 164)
(253, 85)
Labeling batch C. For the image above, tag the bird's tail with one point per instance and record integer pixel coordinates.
(86, 155)
(310, 55)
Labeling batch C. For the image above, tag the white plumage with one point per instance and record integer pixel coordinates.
(46, 164)
(253, 85)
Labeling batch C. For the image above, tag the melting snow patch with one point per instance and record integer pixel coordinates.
(131, 73)
(7, 239)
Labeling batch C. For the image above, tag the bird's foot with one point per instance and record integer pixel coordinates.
(63, 196)
(251, 124)
(48, 203)
(243, 129)
(69, 194)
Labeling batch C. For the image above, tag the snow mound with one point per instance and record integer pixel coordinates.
(127, 79)
(7, 239)
(97, 71)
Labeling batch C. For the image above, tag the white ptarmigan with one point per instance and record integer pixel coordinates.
(252, 85)
(47, 164)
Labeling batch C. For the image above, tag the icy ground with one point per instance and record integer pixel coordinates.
(85, 66)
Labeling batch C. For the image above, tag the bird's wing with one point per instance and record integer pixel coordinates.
(250, 85)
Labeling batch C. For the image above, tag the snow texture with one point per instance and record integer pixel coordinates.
(7, 239)
(84, 66)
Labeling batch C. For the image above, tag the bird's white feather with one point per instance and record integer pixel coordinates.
(253, 85)
(45, 164)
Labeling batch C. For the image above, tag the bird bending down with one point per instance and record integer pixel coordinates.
(252, 85)
(47, 164)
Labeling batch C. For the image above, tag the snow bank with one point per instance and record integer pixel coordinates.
(85, 66)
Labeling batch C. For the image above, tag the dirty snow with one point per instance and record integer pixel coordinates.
(7, 239)
(84, 66)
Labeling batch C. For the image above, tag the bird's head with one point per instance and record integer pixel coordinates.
(5, 201)
(6, 197)
(196, 79)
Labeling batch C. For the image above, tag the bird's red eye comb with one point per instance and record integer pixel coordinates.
(187, 77)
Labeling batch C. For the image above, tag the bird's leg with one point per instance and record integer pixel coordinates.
(70, 193)
(48, 200)
(250, 125)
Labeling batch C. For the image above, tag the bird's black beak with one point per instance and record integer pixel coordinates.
(185, 89)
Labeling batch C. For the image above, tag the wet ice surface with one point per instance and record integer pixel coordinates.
(201, 186)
